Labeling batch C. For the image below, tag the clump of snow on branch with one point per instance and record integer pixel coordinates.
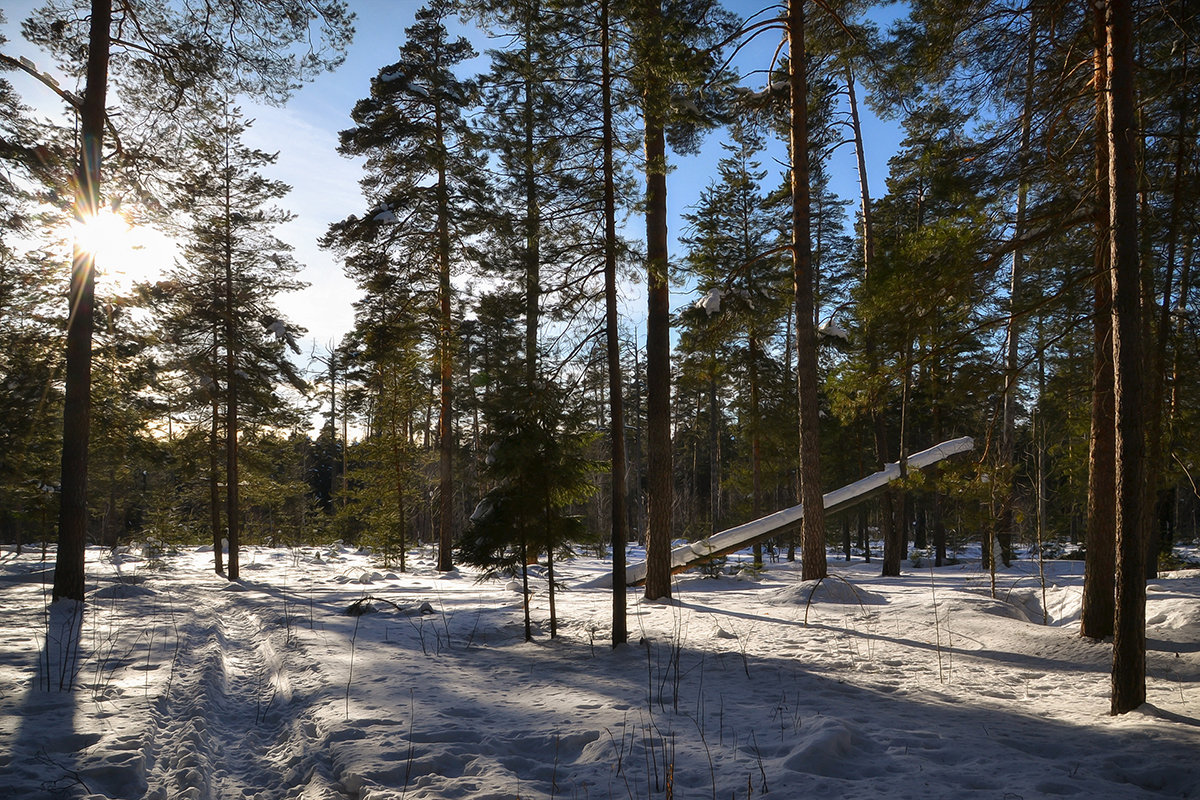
(831, 328)
(711, 303)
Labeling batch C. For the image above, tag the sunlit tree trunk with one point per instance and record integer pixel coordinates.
(658, 329)
(813, 523)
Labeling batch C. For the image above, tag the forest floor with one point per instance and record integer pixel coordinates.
(925, 686)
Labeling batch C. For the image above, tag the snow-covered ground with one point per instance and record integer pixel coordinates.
(919, 687)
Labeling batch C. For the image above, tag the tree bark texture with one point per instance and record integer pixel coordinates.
(445, 363)
(658, 346)
(813, 523)
(1129, 630)
(620, 530)
(1098, 612)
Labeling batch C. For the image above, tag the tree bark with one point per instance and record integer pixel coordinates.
(1006, 522)
(445, 363)
(232, 500)
(1129, 630)
(620, 530)
(891, 566)
(658, 328)
(77, 407)
(812, 535)
(1097, 615)
(214, 478)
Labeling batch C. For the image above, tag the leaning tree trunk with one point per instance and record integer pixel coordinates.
(77, 407)
(1129, 630)
(813, 522)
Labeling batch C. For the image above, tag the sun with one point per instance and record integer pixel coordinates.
(125, 253)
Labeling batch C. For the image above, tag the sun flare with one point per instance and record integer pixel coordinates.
(125, 253)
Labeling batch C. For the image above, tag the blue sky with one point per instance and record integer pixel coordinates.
(325, 185)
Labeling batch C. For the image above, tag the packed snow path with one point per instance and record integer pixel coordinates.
(728, 541)
(230, 720)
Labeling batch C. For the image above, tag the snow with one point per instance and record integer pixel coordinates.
(405, 83)
(711, 303)
(922, 686)
(831, 328)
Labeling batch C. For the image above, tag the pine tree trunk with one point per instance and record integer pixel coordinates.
(813, 522)
(1156, 541)
(214, 489)
(1005, 519)
(232, 500)
(658, 345)
(532, 241)
(550, 586)
(714, 454)
(878, 422)
(1129, 631)
(1098, 611)
(445, 364)
(755, 442)
(77, 407)
(620, 531)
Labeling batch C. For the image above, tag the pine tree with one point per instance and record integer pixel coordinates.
(388, 357)
(932, 273)
(172, 56)
(423, 177)
(1129, 629)
(31, 284)
(675, 61)
(220, 317)
(734, 255)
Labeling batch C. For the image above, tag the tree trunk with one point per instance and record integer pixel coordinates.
(214, 489)
(77, 407)
(1005, 522)
(714, 454)
(1129, 631)
(232, 501)
(620, 530)
(755, 442)
(813, 522)
(445, 364)
(878, 421)
(1098, 611)
(658, 345)
(1156, 538)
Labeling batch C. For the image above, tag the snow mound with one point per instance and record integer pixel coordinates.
(1176, 614)
(827, 590)
(122, 591)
